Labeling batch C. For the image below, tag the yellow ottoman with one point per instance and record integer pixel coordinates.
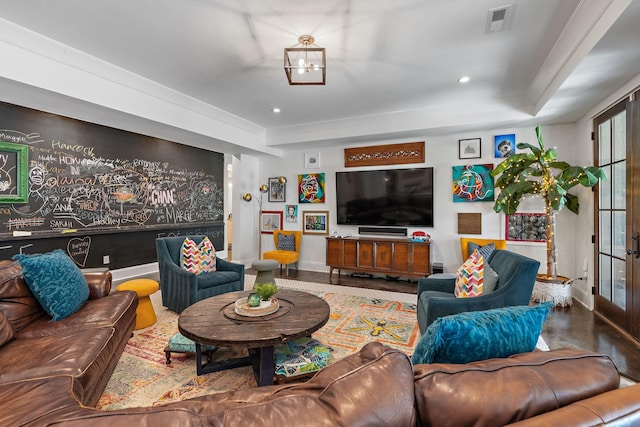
(145, 314)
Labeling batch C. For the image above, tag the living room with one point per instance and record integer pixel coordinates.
(255, 156)
(86, 87)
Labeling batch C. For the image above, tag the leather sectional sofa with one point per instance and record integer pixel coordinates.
(84, 347)
(52, 373)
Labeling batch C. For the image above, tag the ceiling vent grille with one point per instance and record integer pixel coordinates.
(499, 19)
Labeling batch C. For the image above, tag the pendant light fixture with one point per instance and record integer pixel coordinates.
(305, 63)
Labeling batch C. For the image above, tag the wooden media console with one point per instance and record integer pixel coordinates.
(390, 256)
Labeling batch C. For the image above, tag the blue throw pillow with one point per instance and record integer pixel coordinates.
(485, 250)
(286, 242)
(480, 335)
(55, 281)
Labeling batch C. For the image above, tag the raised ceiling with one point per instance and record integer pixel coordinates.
(392, 67)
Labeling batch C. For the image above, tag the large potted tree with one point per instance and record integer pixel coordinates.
(538, 172)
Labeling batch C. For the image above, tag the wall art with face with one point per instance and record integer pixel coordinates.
(311, 188)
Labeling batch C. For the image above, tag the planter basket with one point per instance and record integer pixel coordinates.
(557, 291)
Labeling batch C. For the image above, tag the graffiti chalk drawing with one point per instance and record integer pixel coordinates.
(78, 249)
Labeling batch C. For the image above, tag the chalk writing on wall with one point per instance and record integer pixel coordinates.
(91, 178)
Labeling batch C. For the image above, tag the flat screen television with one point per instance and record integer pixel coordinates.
(392, 197)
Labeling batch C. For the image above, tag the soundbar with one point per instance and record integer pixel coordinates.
(394, 231)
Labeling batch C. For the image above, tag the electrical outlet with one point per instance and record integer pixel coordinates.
(105, 259)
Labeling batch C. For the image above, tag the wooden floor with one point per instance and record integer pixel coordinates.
(571, 327)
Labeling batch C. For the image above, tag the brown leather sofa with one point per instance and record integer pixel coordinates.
(51, 374)
(84, 347)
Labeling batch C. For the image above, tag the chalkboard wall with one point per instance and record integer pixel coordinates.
(104, 191)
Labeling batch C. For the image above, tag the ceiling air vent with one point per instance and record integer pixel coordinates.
(499, 19)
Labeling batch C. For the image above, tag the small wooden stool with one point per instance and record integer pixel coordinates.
(145, 314)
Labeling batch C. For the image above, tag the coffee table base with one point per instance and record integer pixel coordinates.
(261, 360)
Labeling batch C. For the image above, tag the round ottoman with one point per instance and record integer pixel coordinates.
(265, 269)
(145, 314)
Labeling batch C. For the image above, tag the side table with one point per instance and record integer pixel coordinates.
(145, 314)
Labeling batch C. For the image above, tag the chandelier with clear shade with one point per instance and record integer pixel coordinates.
(305, 63)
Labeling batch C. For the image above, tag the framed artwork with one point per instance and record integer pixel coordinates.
(269, 221)
(311, 188)
(277, 190)
(526, 227)
(292, 213)
(315, 222)
(312, 160)
(504, 145)
(472, 183)
(14, 168)
(470, 148)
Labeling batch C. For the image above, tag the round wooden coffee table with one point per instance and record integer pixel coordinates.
(213, 321)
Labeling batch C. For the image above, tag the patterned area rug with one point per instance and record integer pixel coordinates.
(142, 378)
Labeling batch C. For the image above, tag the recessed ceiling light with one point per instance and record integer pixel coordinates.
(464, 79)
(275, 109)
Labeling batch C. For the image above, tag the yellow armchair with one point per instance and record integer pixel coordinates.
(285, 256)
(464, 244)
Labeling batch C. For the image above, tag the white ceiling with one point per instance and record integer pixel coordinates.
(392, 66)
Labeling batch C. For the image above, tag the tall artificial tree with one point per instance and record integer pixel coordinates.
(539, 173)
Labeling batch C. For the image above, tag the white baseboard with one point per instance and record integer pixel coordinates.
(134, 271)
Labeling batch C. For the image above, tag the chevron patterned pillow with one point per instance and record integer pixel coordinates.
(198, 258)
(470, 277)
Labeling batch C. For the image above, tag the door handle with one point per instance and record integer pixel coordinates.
(636, 251)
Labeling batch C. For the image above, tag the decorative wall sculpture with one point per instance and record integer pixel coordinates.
(379, 155)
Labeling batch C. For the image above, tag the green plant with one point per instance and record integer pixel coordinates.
(266, 290)
(540, 173)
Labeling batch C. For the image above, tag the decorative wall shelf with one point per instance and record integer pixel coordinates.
(379, 155)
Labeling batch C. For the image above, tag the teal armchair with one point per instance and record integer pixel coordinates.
(516, 277)
(180, 288)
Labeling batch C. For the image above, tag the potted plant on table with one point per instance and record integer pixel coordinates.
(540, 173)
(264, 292)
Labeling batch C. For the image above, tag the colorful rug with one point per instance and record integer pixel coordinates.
(142, 378)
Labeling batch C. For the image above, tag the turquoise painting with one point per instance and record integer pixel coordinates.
(473, 183)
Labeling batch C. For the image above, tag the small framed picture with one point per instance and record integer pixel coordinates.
(312, 160)
(277, 190)
(504, 145)
(315, 222)
(470, 148)
(292, 213)
(269, 221)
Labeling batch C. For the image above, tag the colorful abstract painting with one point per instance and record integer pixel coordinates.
(472, 183)
(311, 188)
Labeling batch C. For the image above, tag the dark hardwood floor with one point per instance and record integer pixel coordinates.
(575, 326)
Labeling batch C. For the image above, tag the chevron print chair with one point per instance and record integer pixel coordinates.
(181, 288)
(516, 277)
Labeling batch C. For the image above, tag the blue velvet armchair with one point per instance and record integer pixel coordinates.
(516, 277)
(180, 288)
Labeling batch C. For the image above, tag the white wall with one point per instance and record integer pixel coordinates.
(442, 154)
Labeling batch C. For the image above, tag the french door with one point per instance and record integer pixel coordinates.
(617, 292)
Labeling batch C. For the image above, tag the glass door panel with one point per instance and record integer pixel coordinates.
(617, 292)
(612, 242)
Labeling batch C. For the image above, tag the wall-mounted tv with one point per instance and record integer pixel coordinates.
(392, 197)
